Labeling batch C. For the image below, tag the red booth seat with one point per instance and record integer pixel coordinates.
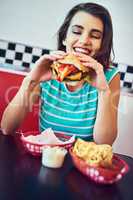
(10, 82)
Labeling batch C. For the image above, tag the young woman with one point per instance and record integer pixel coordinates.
(87, 110)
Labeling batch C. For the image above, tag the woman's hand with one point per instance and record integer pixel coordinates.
(98, 77)
(42, 71)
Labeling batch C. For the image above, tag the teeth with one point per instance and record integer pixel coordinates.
(81, 50)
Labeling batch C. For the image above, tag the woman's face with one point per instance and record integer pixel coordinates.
(84, 34)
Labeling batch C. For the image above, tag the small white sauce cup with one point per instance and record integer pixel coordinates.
(53, 157)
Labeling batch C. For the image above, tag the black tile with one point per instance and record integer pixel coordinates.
(11, 46)
(45, 51)
(130, 69)
(2, 53)
(9, 61)
(18, 56)
(25, 64)
(35, 58)
(28, 49)
(127, 84)
(122, 75)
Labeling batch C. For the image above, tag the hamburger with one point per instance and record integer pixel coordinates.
(70, 70)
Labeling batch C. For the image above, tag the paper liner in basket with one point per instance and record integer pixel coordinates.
(47, 137)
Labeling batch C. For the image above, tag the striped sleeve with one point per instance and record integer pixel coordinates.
(111, 73)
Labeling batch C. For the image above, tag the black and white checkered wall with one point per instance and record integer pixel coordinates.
(126, 75)
(21, 55)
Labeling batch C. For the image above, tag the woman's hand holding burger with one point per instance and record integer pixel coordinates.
(98, 78)
(42, 71)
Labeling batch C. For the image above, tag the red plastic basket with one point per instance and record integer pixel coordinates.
(36, 149)
(99, 174)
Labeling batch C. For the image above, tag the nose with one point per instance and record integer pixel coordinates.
(85, 39)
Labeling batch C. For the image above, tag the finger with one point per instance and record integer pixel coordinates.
(95, 65)
(87, 59)
(59, 52)
(45, 59)
(89, 65)
(51, 57)
(84, 57)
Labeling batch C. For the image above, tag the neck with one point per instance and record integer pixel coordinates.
(73, 88)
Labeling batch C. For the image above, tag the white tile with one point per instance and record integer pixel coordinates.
(128, 77)
(20, 48)
(122, 67)
(37, 51)
(121, 83)
(32, 65)
(10, 54)
(2, 60)
(17, 62)
(3, 44)
(27, 57)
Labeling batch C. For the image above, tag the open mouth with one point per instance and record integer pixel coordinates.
(82, 50)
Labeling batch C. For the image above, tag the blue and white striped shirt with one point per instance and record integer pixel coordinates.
(70, 112)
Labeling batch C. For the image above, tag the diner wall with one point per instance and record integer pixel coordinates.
(124, 141)
(22, 55)
(36, 22)
(19, 54)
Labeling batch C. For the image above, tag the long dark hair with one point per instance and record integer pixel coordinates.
(104, 54)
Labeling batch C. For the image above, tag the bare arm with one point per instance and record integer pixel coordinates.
(105, 130)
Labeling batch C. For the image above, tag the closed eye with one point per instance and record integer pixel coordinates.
(76, 29)
(96, 36)
(76, 32)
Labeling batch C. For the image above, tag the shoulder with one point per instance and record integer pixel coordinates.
(110, 73)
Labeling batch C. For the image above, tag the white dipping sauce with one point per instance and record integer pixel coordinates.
(53, 156)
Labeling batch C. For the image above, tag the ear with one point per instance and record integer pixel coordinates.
(64, 42)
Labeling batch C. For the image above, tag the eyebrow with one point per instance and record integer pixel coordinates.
(77, 26)
(93, 30)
